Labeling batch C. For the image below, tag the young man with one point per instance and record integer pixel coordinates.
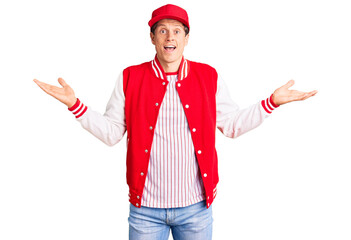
(170, 108)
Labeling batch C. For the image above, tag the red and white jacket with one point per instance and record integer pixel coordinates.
(135, 106)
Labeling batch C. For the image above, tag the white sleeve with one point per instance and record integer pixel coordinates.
(109, 127)
(233, 121)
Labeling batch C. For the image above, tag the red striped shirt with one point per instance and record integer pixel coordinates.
(173, 178)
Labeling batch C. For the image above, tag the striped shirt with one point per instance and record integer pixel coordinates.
(173, 178)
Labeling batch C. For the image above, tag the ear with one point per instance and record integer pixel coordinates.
(152, 36)
(186, 39)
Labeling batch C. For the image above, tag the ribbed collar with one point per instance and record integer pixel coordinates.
(183, 71)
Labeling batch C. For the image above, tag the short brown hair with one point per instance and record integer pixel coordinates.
(153, 28)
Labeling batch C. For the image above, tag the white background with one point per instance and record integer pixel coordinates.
(288, 179)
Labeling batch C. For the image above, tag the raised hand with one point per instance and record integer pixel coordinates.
(64, 94)
(283, 95)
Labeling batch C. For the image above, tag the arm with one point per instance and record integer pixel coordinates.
(109, 127)
(233, 122)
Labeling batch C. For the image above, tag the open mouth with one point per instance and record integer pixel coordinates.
(170, 48)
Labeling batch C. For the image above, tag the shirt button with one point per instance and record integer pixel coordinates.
(194, 129)
(199, 152)
(137, 204)
(138, 197)
(150, 127)
(146, 150)
(141, 174)
(208, 204)
(179, 84)
(205, 174)
(186, 106)
(208, 197)
(164, 83)
(156, 104)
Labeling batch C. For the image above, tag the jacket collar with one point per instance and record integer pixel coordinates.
(183, 71)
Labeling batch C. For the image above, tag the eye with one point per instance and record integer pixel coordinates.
(177, 32)
(163, 31)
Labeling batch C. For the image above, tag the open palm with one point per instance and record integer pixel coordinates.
(64, 94)
(283, 95)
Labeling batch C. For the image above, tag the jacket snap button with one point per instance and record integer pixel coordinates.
(137, 204)
(194, 129)
(179, 84)
(164, 83)
(142, 174)
(187, 106)
(146, 150)
(205, 175)
(156, 104)
(138, 197)
(199, 152)
(150, 127)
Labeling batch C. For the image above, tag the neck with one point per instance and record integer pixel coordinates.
(170, 66)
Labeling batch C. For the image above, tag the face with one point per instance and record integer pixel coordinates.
(169, 40)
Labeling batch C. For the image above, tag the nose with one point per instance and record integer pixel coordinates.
(170, 36)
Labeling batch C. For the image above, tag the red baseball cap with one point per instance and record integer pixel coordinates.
(169, 11)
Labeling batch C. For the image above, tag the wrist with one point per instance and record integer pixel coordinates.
(78, 109)
(273, 101)
(71, 103)
(269, 105)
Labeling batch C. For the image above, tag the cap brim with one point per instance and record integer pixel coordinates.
(160, 17)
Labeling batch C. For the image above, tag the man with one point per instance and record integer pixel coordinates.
(170, 108)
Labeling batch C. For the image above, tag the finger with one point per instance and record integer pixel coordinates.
(310, 94)
(304, 96)
(37, 81)
(314, 92)
(299, 96)
(49, 89)
(40, 84)
(62, 82)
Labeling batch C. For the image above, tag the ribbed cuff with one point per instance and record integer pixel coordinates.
(268, 105)
(78, 109)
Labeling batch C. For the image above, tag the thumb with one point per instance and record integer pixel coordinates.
(289, 84)
(62, 82)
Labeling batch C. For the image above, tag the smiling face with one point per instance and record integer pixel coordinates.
(169, 40)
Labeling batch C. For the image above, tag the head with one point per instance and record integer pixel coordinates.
(169, 32)
(170, 38)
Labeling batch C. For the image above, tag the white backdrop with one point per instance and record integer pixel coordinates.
(288, 179)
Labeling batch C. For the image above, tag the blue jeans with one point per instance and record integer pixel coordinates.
(193, 222)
